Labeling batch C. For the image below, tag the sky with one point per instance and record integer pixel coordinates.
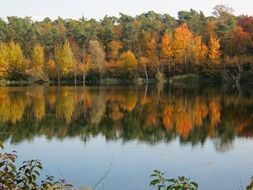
(39, 9)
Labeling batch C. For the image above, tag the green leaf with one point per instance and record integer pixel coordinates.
(154, 182)
(1, 164)
(195, 184)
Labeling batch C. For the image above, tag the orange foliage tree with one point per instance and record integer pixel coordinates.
(200, 50)
(214, 49)
(52, 70)
(152, 54)
(239, 42)
(166, 48)
(114, 47)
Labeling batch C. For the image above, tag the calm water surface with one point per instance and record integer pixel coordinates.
(203, 133)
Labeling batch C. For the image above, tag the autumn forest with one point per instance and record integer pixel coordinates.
(148, 46)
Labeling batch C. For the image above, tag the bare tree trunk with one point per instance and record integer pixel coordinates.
(145, 70)
(169, 67)
(75, 79)
(185, 64)
(58, 74)
(84, 78)
(158, 69)
(144, 98)
(236, 77)
(160, 88)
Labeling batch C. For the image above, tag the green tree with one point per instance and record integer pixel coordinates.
(21, 30)
(195, 20)
(129, 36)
(225, 22)
(3, 30)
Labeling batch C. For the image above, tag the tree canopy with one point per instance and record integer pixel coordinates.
(63, 48)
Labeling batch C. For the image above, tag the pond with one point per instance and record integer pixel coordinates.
(78, 133)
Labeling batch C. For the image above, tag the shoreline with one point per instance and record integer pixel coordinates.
(180, 79)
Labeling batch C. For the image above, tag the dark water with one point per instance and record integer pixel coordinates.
(203, 133)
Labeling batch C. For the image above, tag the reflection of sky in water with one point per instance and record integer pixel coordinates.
(84, 163)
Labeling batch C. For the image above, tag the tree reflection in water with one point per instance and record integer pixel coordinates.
(142, 113)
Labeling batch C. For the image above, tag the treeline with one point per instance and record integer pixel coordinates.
(147, 46)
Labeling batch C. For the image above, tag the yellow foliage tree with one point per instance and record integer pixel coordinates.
(52, 70)
(37, 65)
(64, 60)
(67, 59)
(182, 43)
(3, 60)
(214, 49)
(16, 60)
(128, 62)
(97, 55)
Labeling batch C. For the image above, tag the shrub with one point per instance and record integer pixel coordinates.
(180, 183)
(26, 176)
